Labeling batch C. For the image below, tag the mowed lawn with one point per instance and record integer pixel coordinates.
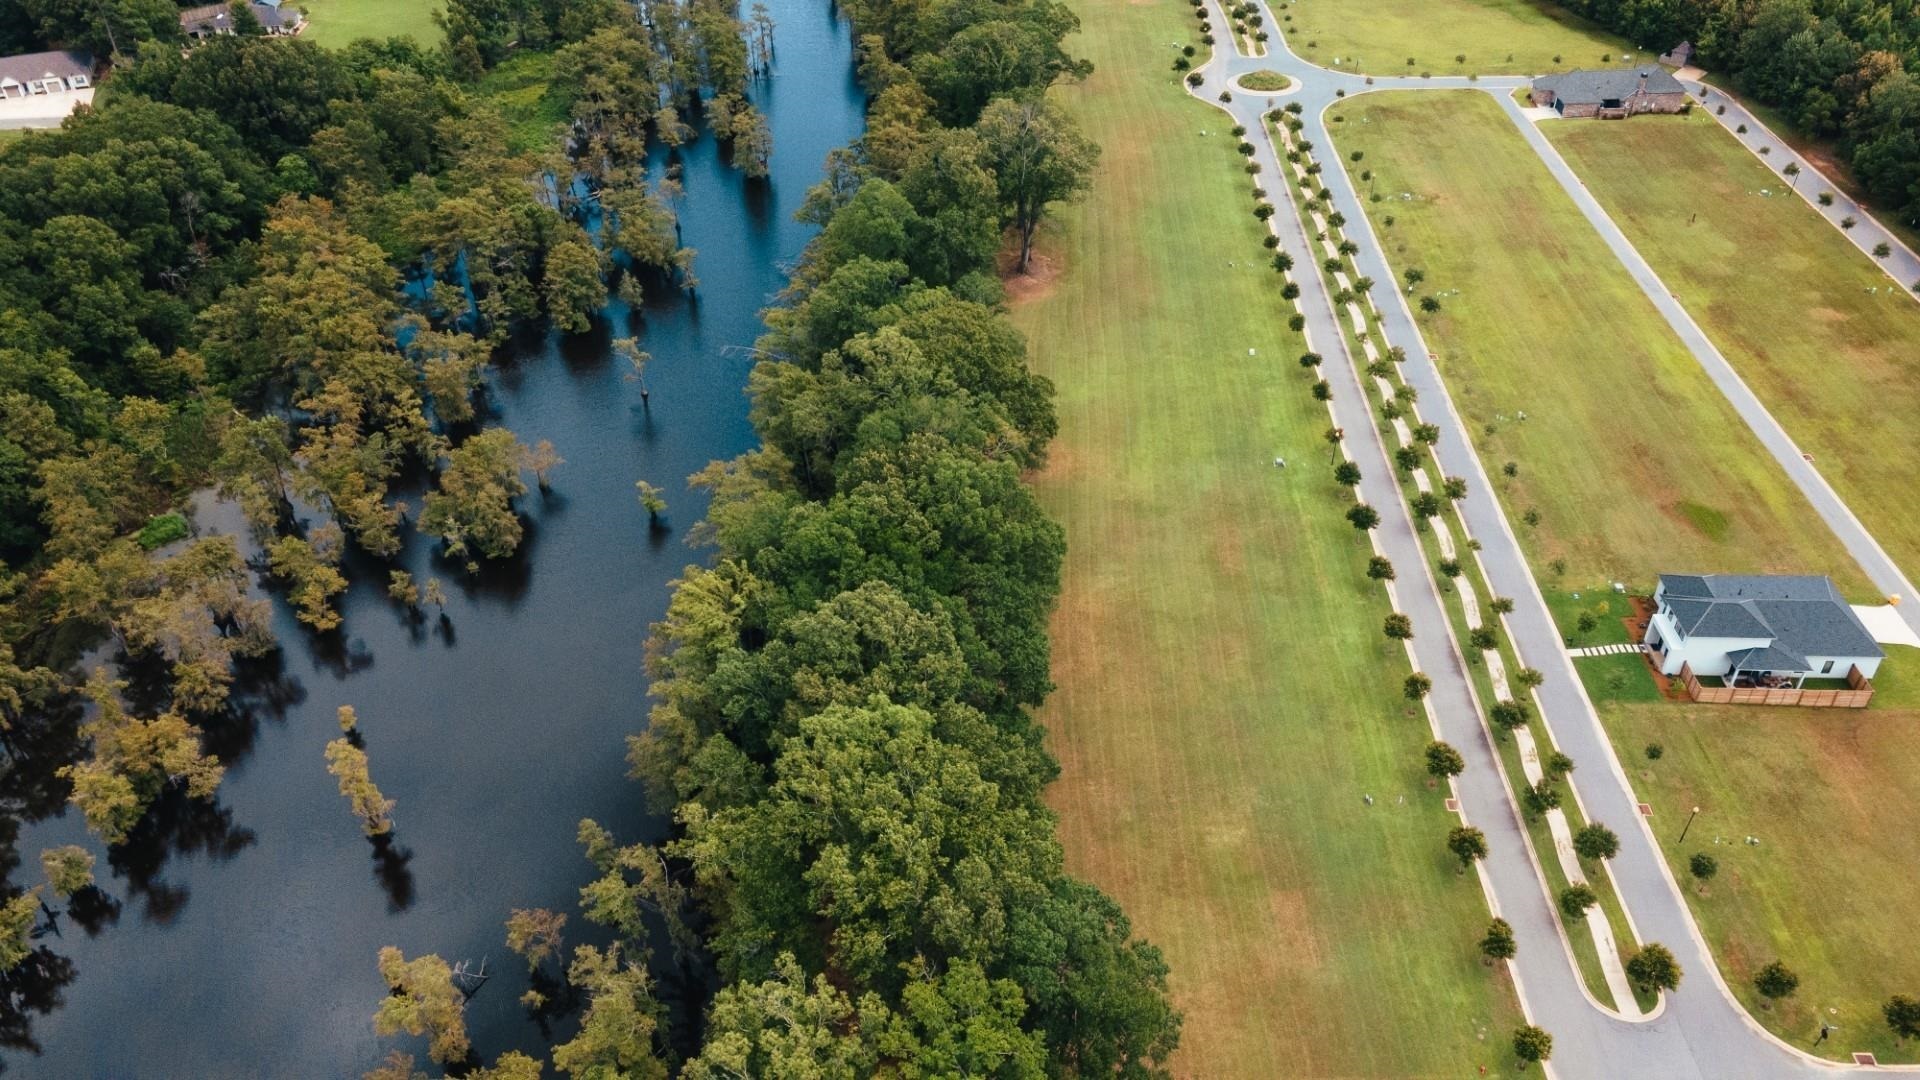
(1497, 37)
(338, 23)
(1831, 888)
(1629, 458)
(1829, 342)
(1225, 697)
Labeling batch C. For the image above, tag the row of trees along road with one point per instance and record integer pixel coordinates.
(1836, 68)
(201, 283)
(842, 730)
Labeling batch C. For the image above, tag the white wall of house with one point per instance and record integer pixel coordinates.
(1868, 666)
(1707, 655)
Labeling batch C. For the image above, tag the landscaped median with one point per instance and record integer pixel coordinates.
(1569, 853)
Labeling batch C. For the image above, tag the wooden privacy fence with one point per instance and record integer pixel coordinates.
(1859, 692)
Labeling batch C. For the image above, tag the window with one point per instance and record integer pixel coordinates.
(1826, 668)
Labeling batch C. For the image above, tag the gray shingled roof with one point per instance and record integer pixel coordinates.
(216, 17)
(1594, 87)
(1768, 658)
(28, 67)
(1803, 615)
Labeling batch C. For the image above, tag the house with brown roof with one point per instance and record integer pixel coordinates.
(1612, 93)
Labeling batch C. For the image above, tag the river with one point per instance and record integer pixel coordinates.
(246, 939)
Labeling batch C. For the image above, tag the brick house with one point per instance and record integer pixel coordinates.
(1612, 93)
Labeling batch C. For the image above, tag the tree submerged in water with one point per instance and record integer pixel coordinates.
(348, 764)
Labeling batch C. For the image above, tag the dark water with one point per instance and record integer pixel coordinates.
(249, 951)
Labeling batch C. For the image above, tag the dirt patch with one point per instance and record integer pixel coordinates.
(1826, 314)
(1035, 283)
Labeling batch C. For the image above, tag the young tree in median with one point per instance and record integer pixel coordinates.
(422, 1000)
(1596, 841)
(1499, 943)
(1380, 568)
(1531, 1044)
(1654, 968)
(1444, 761)
(1508, 715)
(1775, 981)
(1038, 156)
(1398, 627)
(1575, 900)
(1467, 844)
(1416, 686)
(1363, 517)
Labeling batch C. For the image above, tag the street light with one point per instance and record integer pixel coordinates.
(1688, 825)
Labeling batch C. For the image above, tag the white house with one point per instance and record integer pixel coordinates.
(44, 73)
(213, 20)
(1758, 630)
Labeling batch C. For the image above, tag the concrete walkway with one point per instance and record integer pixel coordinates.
(1614, 649)
(1699, 1031)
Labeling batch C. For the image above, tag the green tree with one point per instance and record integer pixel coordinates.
(1575, 900)
(617, 1031)
(1379, 568)
(1444, 761)
(473, 508)
(1416, 686)
(422, 1000)
(535, 934)
(1596, 841)
(1903, 1016)
(18, 916)
(1531, 1044)
(1398, 627)
(1498, 944)
(1363, 517)
(1654, 968)
(1467, 844)
(1775, 981)
(1038, 156)
(69, 869)
(651, 500)
(783, 1026)
(348, 764)
(575, 284)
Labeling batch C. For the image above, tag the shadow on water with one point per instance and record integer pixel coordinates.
(494, 750)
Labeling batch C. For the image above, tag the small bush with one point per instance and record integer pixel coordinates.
(1703, 866)
(1655, 751)
(1882, 250)
(162, 530)
(1848, 222)
(1825, 198)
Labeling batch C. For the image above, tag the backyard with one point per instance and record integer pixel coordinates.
(1497, 37)
(336, 23)
(1625, 460)
(1225, 698)
(1782, 294)
(1829, 888)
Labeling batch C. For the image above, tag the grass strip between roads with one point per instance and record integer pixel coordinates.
(1824, 337)
(1629, 461)
(1225, 697)
(1472, 578)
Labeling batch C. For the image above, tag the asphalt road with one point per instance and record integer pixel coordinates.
(1700, 1031)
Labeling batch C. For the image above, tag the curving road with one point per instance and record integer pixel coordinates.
(1699, 1031)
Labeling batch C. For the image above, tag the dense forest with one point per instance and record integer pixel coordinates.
(1836, 68)
(282, 272)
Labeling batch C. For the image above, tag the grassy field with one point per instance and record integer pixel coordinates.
(336, 23)
(1830, 889)
(1629, 461)
(1497, 37)
(1781, 292)
(1225, 696)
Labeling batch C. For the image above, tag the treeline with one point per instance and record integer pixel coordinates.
(842, 727)
(282, 270)
(1837, 69)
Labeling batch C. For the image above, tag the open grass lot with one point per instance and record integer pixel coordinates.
(1830, 890)
(1631, 458)
(1225, 695)
(1782, 293)
(1498, 37)
(337, 23)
